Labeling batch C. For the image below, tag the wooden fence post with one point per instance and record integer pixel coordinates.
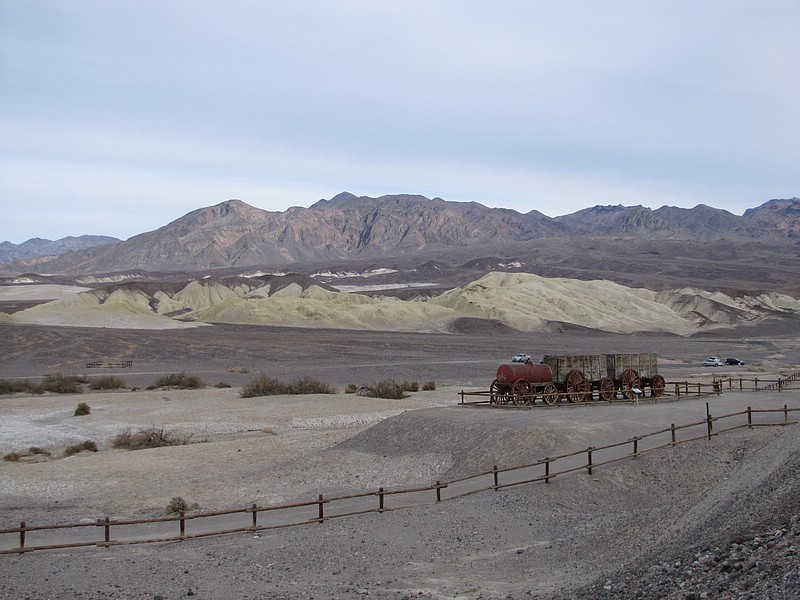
(708, 421)
(321, 511)
(496, 480)
(589, 459)
(438, 491)
(672, 431)
(785, 414)
(22, 537)
(107, 531)
(380, 499)
(255, 517)
(635, 447)
(547, 469)
(182, 524)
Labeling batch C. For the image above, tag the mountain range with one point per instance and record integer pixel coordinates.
(621, 243)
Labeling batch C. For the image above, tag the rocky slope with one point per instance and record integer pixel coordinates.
(234, 233)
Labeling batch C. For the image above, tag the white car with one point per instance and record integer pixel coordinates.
(521, 358)
(713, 361)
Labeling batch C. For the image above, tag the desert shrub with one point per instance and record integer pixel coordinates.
(269, 386)
(388, 388)
(410, 386)
(180, 380)
(82, 409)
(238, 370)
(309, 385)
(223, 384)
(178, 505)
(351, 388)
(429, 386)
(152, 437)
(263, 386)
(106, 382)
(19, 387)
(15, 456)
(62, 384)
(88, 445)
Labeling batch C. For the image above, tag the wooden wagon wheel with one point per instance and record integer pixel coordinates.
(550, 394)
(657, 386)
(521, 393)
(608, 389)
(630, 380)
(579, 389)
(498, 394)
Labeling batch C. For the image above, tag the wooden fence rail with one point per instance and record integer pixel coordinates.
(321, 509)
(759, 385)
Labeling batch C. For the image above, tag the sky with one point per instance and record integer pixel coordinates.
(119, 117)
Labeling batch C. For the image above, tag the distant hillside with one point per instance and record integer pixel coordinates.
(38, 247)
(347, 227)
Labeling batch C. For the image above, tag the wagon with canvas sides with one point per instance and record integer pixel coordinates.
(578, 378)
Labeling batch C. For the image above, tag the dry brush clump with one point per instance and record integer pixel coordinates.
(82, 410)
(183, 381)
(178, 505)
(264, 385)
(106, 382)
(86, 446)
(63, 384)
(32, 451)
(152, 437)
(388, 388)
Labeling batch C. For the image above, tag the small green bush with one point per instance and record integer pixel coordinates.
(152, 437)
(410, 386)
(351, 388)
(180, 380)
(82, 409)
(178, 505)
(106, 382)
(18, 387)
(269, 386)
(429, 386)
(88, 445)
(388, 388)
(62, 384)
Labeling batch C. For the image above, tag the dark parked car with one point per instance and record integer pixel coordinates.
(734, 361)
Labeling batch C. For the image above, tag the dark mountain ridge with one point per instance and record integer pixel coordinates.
(595, 242)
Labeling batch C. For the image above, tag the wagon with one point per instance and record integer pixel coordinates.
(577, 377)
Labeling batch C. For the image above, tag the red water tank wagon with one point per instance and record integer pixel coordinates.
(531, 372)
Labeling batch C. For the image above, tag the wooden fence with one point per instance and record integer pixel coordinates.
(759, 385)
(259, 518)
(118, 364)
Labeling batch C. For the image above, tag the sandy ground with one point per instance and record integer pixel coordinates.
(566, 539)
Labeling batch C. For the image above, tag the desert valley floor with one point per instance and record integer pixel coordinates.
(578, 537)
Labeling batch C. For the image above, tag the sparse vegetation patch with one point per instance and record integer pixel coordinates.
(178, 505)
(264, 385)
(106, 382)
(182, 381)
(82, 409)
(86, 446)
(388, 388)
(152, 437)
(63, 384)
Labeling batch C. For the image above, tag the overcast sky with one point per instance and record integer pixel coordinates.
(118, 117)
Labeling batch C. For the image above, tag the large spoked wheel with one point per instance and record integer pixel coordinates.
(630, 380)
(499, 394)
(657, 386)
(521, 393)
(579, 389)
(550, 394)
(608, 390)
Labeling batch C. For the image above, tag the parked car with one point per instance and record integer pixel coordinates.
(713, 361)
(734, 361)
(521, 358)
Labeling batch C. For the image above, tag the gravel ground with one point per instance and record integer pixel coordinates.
(706, 519)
